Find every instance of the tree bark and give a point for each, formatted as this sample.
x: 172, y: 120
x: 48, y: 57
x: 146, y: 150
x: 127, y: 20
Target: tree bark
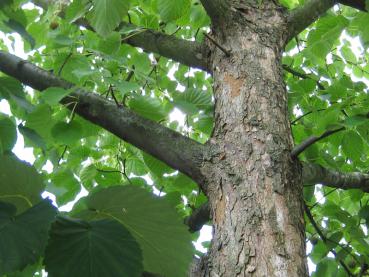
x: 254, y: 187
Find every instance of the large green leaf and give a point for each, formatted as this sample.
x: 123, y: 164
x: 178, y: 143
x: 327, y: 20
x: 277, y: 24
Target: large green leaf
x: 107, y: 14
x: 98, y: 248
x: 20, y: 184
x: 352, y: 145
x: 171, y: 10
x: 63, y: 185
x: 9, y: 86
x: 67, y: 133
x: 164, y: 239
x: 8, y: 133
x: 32, y: 137
x: 19, y: 28
x: 23, y: 237
x: 40, y: 120
x: 192, y: 101
x: 322, y: 38
x: 148, y: 107
x: 53, y: 95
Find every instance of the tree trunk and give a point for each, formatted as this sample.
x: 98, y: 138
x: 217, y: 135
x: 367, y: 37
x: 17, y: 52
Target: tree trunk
x: 254, y: 187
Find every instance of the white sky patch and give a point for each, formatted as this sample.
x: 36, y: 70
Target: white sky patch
x: 48, y: 167
x: 4, y: 107
x: 177, y: 115
x: 205, y: 235
x: 69, y: 206
x: 22, y: 152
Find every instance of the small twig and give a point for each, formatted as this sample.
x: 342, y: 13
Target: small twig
x: 73, y: 112
x: 224, y: 50
x: 63, y: 153
x: 111, y: 90
x: 302, y: 116
x: 178, y: 28
x: 123, y: 161
x: 324, y: 238
x: 325, y: 195
x: 130, y: 74
x: 302, y: 75
x: 64, y: 63
x: 297, y: 150
x: 151, y: 72
x: 109, y: 171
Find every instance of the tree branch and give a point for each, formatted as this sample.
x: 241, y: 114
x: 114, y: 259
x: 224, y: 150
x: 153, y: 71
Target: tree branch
x: 302, y: 75
x: 214, y: 8
x: 190, y: 53
x: 300, y: 18
x: 198, y: 218
x: 311, y: 174
x: 178, y: 151
x: 316, y: 174
x: 297, y: 150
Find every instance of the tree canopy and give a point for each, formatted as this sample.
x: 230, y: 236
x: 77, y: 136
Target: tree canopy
x: 96, y: 98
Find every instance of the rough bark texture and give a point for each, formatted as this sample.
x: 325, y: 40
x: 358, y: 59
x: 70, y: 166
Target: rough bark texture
x: 254, y: 190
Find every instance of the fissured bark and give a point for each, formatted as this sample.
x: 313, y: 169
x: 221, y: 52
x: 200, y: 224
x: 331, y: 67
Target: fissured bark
x: 254, y: 188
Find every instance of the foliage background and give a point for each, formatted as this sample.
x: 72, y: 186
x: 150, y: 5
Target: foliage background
x: 326, y: 74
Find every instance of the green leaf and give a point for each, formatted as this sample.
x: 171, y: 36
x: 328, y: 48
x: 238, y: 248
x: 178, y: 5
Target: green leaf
x: 364, y: 213
x: 30, y: 135
x: 40, y: 120
x: 75, y: 68
x: 107, y: 14
x: 156, y: 166
x: 148, y: 107
x: 76, y: 10
x: 290, y: 4
x: 67, y: 133
x: 87, y: 175
x: 348, y: 54
x: 20, y: 184
x: 152, y: 221
x: 192, y: 101
x: 98, y: 248
x: 352, y: 145
x: 21, y: 30
x: 53, y: 95
x: 63, y: 185
x: 10, y: 86
x: 171, y: 10
x: 111, y: 44
x: 322, y: 38
x: 8, y: 133
x: 327, y: 267
x: 320, y: 250
x: 23, y: 237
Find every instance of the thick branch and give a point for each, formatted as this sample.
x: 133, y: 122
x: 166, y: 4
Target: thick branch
x: 311, y: 174
x: 179, y: 152
x: 300, y: 18
x: 191, y: 53
x: 214, y: 8
x: 316, y: 174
